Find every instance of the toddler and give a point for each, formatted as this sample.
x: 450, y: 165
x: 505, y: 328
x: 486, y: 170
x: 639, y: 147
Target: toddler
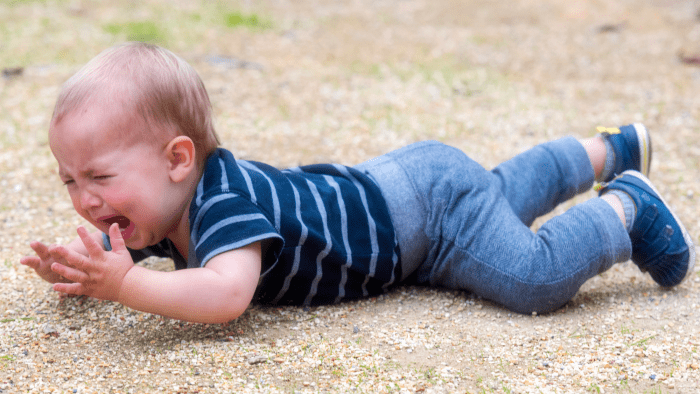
x: 133, y: 137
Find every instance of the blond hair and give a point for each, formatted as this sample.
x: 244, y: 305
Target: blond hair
x: 152, y: 81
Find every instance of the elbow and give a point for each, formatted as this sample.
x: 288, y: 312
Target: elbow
x: 212, y: 316
x: 217, y: 311
x: 225, y: 316
x: 229, y: 308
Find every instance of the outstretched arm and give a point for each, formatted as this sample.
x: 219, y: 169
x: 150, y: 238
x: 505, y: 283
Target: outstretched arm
x: 217, y: 293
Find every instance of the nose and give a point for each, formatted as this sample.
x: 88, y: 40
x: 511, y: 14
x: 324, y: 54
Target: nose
x: 89, y: 200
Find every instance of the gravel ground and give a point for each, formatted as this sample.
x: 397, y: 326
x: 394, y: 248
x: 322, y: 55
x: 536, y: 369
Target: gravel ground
x: 305, y: 81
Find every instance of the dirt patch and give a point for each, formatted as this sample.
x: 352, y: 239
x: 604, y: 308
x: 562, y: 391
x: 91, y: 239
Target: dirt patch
x: 344, y: 82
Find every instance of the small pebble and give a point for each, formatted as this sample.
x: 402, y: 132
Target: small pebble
x: 256, y: 359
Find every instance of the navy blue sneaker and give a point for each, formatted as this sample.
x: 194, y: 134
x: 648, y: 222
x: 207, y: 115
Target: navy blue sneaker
x: 631, y: 147
x: 660, y: 243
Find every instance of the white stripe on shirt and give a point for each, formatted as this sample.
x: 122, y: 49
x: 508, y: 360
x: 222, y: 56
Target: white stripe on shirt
x: 273, y: 191
x: 203, y: 210
x: 297, y: 249
x: 329, y: 243
x: 200, y: 192
x: 224, y: 177
x: 248, y: 182
x: 344, y: 231
x: 370, y: 221
x: 236, y: 245
x: 225, y: 222
x: 394, y: 261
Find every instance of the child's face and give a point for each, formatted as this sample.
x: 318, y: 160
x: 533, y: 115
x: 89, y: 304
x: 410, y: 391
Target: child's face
x: 112, y: 179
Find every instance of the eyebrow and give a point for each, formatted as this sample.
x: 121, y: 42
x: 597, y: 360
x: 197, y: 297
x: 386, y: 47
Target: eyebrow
x: 63, y: 174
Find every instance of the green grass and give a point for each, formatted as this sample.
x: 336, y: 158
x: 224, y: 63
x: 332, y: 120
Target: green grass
x: 252, y: 21
x: 144, y: 31
x: 7, y: 320
x: 7, y: 358
x: 40, y: 32
x: 642, y: 342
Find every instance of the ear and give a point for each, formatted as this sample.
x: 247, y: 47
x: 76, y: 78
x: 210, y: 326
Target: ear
x: 180, y: 154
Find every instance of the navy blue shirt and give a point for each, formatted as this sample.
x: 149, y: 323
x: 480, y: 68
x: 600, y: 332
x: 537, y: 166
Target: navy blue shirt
x: 327, y: 227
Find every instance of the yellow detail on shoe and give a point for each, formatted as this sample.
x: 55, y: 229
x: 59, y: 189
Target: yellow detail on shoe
x: 609, y: 130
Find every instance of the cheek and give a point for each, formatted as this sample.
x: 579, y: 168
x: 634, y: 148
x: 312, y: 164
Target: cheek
x: 75, y: 199
x: 116, y: 197
x: 136, y: 203
x: 121, y: 196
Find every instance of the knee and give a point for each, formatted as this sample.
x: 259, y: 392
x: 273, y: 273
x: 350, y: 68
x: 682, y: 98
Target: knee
x: 441, y: 159
x: 527, y: 298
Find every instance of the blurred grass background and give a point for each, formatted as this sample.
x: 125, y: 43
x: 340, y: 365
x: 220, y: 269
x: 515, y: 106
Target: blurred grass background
x: 307, y: 61
x: 356, y: 79
x: 42, y: 42
x: 66, y: 31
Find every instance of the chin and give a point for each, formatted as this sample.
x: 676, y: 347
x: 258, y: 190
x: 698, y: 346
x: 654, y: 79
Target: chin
x: 138, y: 243
x: 135, y: 243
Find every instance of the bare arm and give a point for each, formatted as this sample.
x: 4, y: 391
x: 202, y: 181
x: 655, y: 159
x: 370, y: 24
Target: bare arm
x: 217, y: 293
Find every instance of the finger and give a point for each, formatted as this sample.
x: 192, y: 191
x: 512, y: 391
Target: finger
x: 31, y: 262
x: 69, y: 273
x: 41, y: 250
x: 94, y: 250
x: 70, y: 288
x: 115, y: 238
x: 56, y: 253
x: 69, y: 258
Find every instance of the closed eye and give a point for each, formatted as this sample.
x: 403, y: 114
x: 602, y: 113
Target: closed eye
x: 100, y: 178
x: 68, y: 182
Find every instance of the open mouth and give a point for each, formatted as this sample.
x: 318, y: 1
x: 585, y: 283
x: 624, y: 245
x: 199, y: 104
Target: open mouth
x: 126, y: 226
x: 122, y: 221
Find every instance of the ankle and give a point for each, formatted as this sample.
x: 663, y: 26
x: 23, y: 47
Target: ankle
x: 616, y: 205
x: 597, y: 154
x: 609, y: 167
x: 623, y: 205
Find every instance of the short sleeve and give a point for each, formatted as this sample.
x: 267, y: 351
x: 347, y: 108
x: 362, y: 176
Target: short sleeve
x: 228, y: 221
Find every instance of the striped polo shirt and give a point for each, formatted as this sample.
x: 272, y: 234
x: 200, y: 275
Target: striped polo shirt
x: 328, y: 228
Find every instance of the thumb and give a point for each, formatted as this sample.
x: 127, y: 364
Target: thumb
x: 116, y: 239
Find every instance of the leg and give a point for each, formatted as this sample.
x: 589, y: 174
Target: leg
x: 474, y: 241
x: 499, y: 258
x: 536, y: 181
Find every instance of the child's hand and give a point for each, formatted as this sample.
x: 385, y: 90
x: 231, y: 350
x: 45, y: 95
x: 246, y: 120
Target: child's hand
x: 98, y: 275
x: 41, y: 263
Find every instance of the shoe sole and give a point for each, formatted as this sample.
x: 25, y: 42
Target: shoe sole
x: 686, y: 236
x: 644, y: 148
